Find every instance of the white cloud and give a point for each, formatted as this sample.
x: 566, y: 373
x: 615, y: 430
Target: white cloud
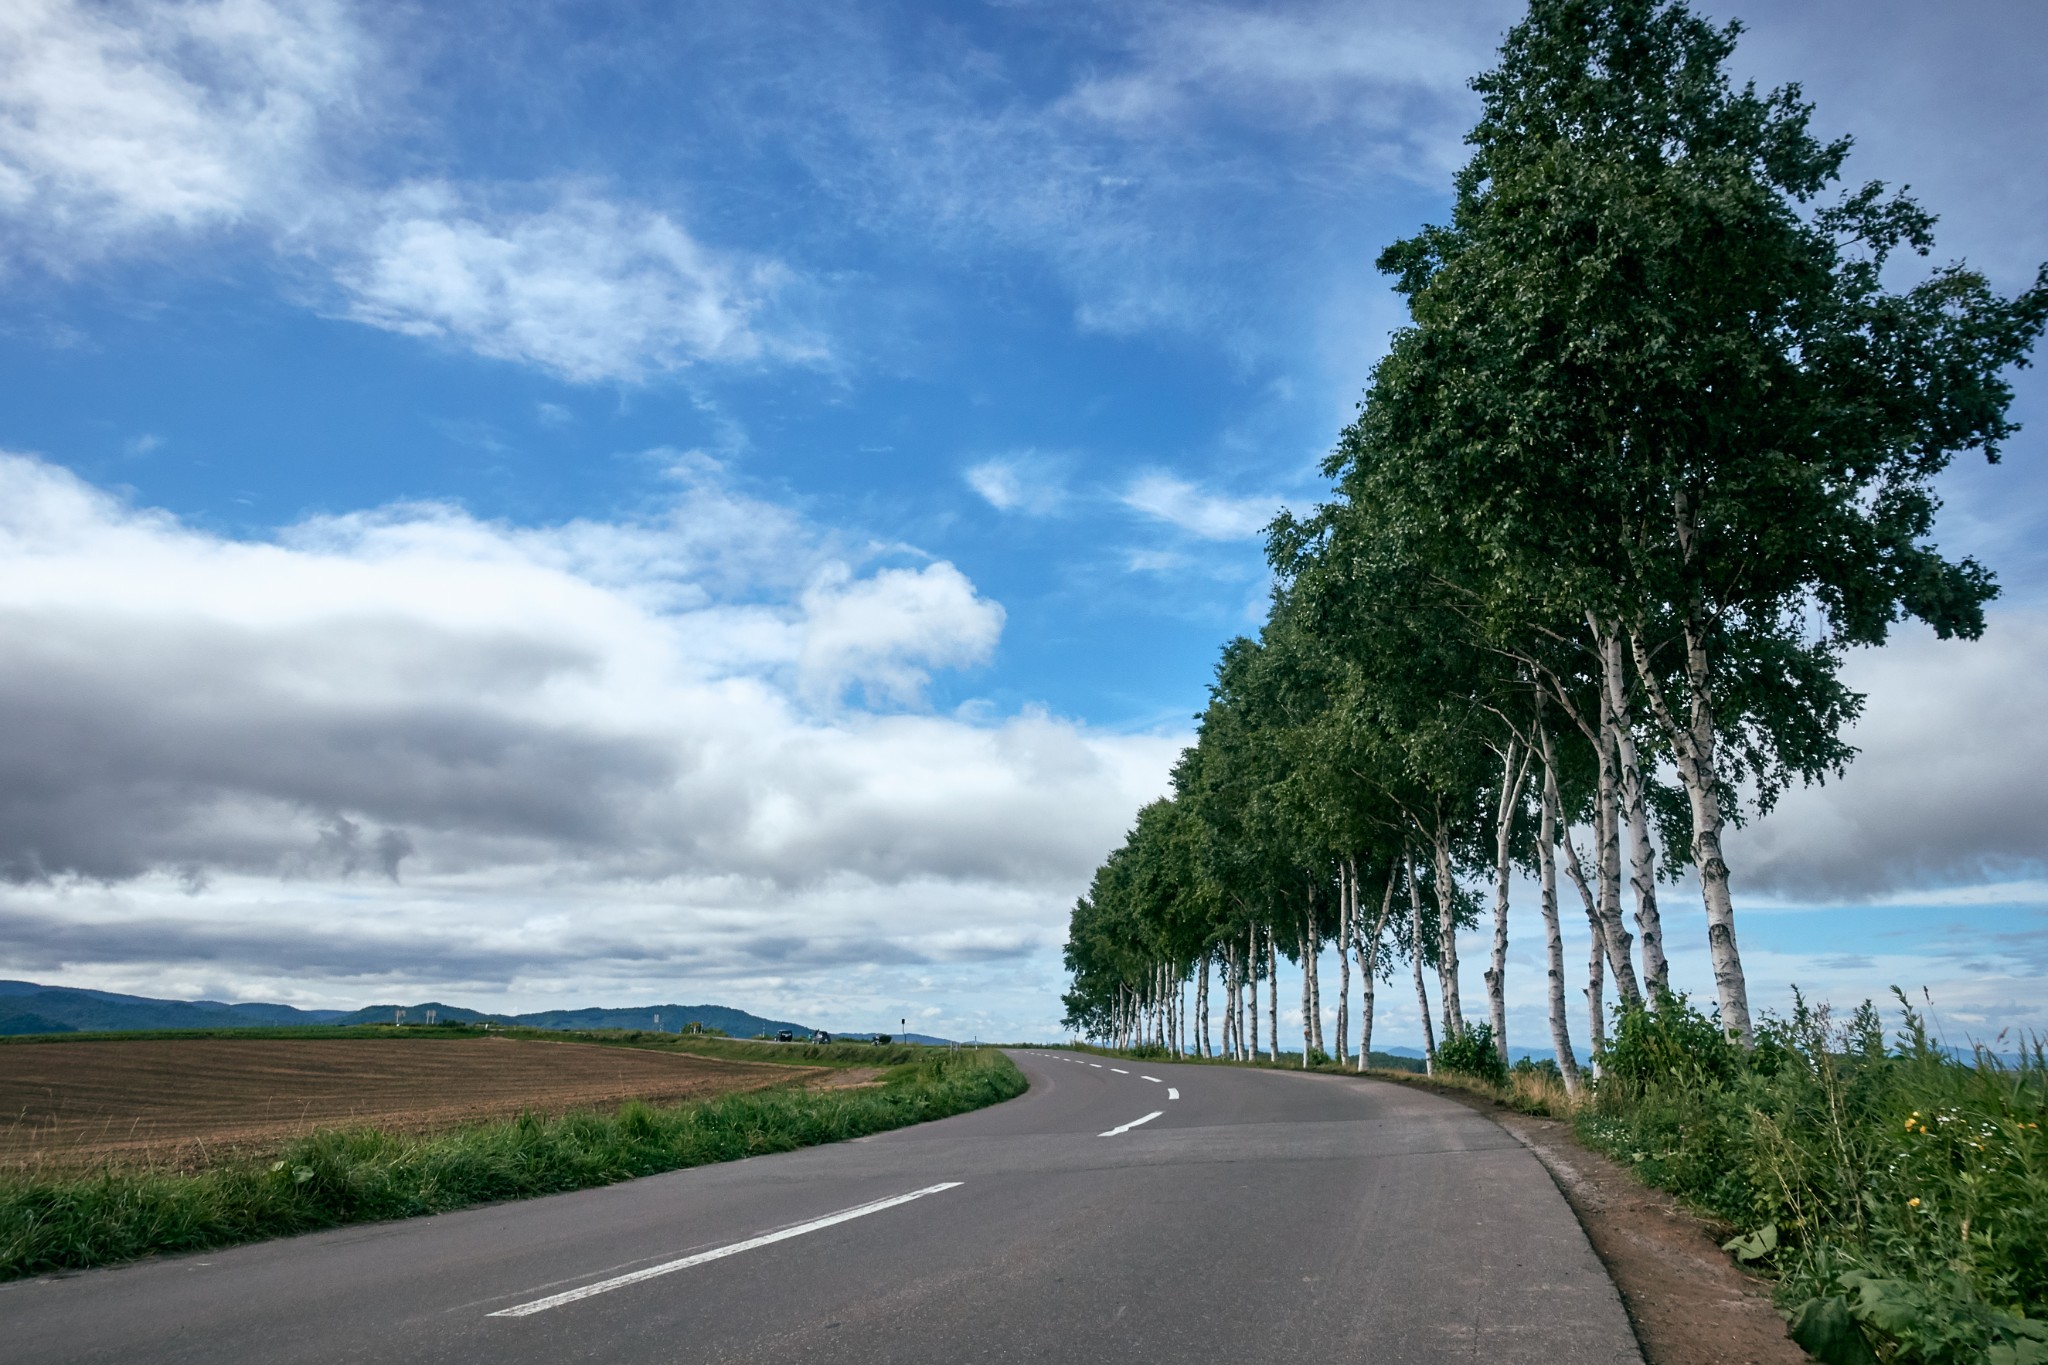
x: 121, y: 123
x: 1399, y: 80
x: 125, y: 119
x: 589, y: 755
x: 586, y: 287
x: 889, y: 630
x: 1017, y: 483
x: 1208, y: 515
x: 1947, y: 787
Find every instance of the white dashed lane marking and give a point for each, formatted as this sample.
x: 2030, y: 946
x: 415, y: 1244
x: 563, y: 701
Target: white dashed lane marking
x: 1126, y: 1127
x: 670, y: 1267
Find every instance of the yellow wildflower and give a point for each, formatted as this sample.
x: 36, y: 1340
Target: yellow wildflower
x: 1912, y: 1203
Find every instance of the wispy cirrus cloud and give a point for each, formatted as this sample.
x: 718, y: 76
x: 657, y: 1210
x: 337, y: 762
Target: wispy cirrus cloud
x: 1026, y: 482
x: 122, y: 121
x: 584, y: 286
x: 125, y: 126
x: 1211, y: 516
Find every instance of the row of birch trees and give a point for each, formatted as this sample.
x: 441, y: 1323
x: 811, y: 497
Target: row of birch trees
x: 1654, y: 450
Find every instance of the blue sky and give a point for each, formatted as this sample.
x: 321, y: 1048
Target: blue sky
x: 560, y: 504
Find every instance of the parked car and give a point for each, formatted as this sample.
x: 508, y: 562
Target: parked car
x: 785, y: 1036
x: 882, y: 1040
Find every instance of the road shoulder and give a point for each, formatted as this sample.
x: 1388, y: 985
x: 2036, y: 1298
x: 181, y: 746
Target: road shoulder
x: 1689, y: 1304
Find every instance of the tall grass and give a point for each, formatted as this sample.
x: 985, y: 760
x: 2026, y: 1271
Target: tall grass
x: 362, y: 1175
x: 1898, y: 1194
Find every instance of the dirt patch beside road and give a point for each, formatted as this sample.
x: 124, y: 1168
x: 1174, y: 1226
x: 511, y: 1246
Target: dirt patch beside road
x: 189, y: 1102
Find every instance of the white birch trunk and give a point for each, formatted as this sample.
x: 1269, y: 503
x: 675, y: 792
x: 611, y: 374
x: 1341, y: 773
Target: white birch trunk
x: 1512, y: 775
x: 1231, y: 996
x: 1229, y: 985
x: 1694, y: 744
x: 1642, y: 854
x: 1272, y: 998
x: 1447, y: 932
x: 1596, y: 1004
x: 1347, y: 912
x: 1421, y: 994
x: 1252, y: 991
x: 1180, y: 1016
x: 1607, y: 865
x: 1553, y: 933
x: 1368, y: 968
x: 1312, y: 967
x: 1308, y: 1027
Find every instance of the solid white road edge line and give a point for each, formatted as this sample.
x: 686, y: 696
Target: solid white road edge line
x: 669, y: 1267
x: 1171, y: 1093
x: 1125, y: 1128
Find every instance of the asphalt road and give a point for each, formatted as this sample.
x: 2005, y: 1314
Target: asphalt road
x: 1258, y: 1217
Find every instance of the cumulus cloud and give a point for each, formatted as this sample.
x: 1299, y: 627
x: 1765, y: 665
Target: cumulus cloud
x: 1947, y: 787
x: 891, y: 629
x: 1208, y: 515
x: 611, y: 743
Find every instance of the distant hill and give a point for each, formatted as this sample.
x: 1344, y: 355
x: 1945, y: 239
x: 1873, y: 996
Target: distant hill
x: 87, y: 1011
x: 738, y: 1023
x: 14, y: 1024
x: 26, y: 1007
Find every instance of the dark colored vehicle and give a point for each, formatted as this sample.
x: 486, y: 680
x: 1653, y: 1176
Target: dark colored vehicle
x: 785, y: 1036
x: 821, y: 1037
x: 882, y: 1040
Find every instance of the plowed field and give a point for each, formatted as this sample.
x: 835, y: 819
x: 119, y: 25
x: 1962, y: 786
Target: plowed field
x: 187, y: 1102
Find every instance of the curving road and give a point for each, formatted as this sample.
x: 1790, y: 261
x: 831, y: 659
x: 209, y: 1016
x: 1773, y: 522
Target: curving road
x: 1117, y: 1212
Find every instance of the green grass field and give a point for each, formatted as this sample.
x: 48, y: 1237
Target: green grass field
x: 336, y: 1177
x: 695, y: 1044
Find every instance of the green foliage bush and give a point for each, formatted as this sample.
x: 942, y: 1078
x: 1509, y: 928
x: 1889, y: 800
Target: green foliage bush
x: 1899, y: 1195
x: 1472, y: 1052
x: 351, y: 1176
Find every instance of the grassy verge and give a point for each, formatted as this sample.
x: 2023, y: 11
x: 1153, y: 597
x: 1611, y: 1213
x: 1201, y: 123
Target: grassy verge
x: 1899, y: 1195
x: 749, y: 1050
x: 364, y: 1175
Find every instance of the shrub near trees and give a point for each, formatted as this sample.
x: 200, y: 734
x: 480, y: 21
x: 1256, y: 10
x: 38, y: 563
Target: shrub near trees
x: 1654, y: 450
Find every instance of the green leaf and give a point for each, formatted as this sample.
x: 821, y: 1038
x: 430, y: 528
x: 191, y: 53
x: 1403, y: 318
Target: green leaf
x: 2017, y: 1353
x: 1754, y: 1246
x: 1825, y: 1330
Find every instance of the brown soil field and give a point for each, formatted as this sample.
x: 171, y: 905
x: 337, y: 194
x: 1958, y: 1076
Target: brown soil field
x: 190, y: 1102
